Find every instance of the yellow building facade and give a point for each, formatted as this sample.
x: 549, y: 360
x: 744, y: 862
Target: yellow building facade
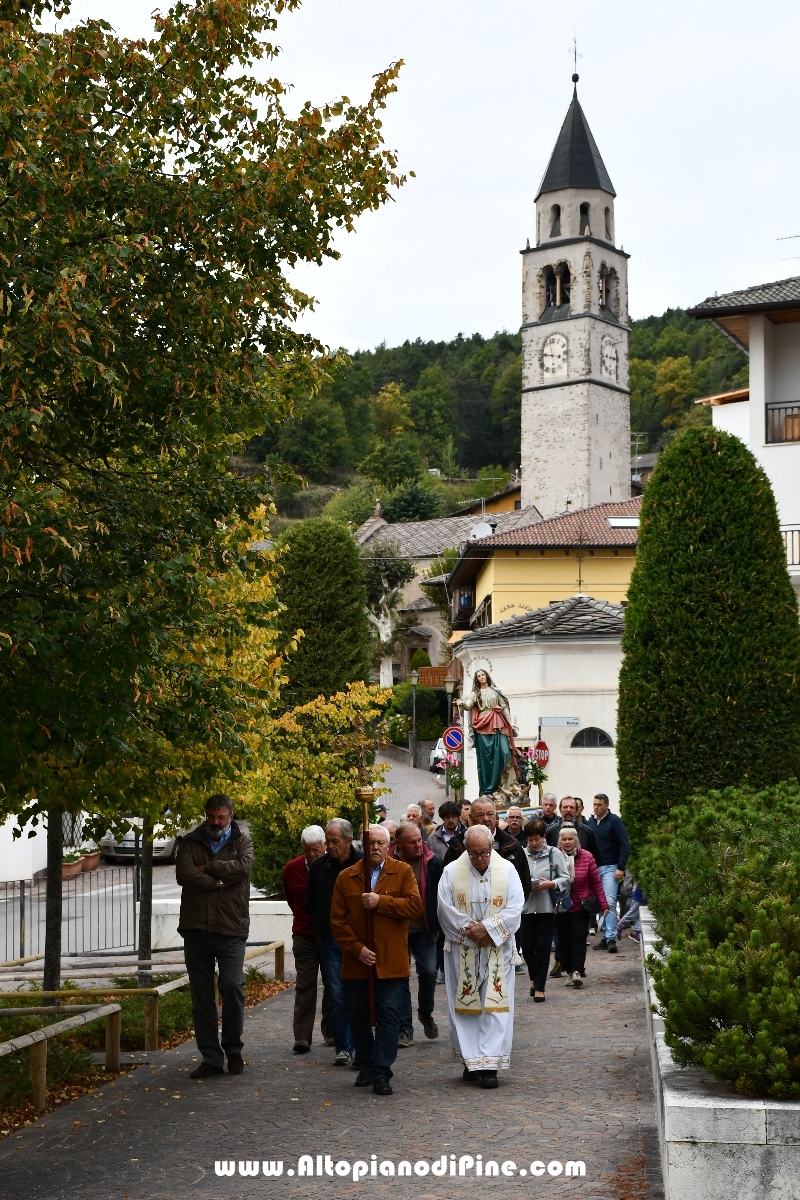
x: 520, y: 581
x: 591, y: 552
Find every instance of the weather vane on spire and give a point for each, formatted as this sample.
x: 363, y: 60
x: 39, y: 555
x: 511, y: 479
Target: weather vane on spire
x: 575, y: 56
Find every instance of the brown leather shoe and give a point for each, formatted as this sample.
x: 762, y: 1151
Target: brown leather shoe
x: 235, y: 1064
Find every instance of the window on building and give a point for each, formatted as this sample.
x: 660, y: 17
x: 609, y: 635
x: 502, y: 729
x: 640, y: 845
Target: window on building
x: 555, y: 221
x: 585, y: 226
x: 783, y: 422
x: 608, y: 225
x: 465, y: 598
x: 592, y: 738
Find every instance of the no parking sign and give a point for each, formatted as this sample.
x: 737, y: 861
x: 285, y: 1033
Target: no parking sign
x: 453, y: 738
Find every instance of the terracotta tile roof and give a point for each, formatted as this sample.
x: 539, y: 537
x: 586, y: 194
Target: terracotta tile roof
x: 432, y: 677
x: 586, y: 527
x: 784, y: 293
x: 578, y: 616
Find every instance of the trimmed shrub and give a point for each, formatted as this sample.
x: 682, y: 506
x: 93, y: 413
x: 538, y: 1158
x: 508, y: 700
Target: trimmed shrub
x: 323, y: 592
x: 723, y: 879
x: 709, y: 688
x: 689, y: 859
x: 419, y: 659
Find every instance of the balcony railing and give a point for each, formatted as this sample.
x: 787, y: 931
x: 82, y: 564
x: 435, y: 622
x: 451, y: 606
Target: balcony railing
x: 791, y: 540
x: 783, y: 422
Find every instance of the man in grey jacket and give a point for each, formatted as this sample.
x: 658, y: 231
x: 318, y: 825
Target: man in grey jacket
x: 213, y: 868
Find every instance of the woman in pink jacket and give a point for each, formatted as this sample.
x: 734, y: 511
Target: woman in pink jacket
x: 572, y: 926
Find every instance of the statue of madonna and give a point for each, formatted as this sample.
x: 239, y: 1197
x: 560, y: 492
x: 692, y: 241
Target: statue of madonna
x: 492, y: 732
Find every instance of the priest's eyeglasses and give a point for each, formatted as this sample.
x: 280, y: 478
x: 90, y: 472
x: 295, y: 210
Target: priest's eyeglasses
x: 479, y: 853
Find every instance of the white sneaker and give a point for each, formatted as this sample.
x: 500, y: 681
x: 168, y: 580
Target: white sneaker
x: 576, y: 979
x: 440, y: 976
x: 342, y: 1059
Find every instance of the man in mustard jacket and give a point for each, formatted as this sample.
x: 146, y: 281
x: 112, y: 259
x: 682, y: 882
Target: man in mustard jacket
x: 394, y: 899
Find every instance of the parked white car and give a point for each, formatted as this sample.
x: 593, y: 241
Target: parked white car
x: 437, y: 755
x: 165, y: 846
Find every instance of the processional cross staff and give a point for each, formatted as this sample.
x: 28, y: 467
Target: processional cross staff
x: 362, y: 744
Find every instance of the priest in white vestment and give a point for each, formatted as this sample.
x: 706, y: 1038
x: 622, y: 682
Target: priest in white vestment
x: 480, y: 906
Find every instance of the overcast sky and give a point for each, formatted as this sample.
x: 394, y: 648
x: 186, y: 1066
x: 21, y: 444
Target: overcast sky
x: 693, y: 107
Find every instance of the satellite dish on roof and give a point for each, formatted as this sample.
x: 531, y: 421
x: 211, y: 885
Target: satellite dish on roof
x: 482, y: 530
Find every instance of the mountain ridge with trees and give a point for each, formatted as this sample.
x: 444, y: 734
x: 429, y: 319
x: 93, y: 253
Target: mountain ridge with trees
x: 387, y: 417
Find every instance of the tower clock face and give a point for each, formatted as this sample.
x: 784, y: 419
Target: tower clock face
x: 609, y: 358
x: 554, y: 355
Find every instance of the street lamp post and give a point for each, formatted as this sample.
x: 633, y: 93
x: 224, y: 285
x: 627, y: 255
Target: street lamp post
x: 414, y: 679
x: 450, y: 687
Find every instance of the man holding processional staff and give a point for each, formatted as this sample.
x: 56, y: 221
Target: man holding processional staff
x: 392, y: 898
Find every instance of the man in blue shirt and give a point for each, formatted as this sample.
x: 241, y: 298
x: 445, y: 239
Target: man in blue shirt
x: 614, y: 849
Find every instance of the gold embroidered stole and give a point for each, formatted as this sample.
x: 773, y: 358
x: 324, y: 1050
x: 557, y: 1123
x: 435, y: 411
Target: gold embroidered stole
x: 468, y: 998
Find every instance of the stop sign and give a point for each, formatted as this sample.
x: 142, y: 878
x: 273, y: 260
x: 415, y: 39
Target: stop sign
x: 541, y: 754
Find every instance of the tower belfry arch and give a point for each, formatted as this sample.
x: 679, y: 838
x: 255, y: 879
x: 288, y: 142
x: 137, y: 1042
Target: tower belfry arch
x: 575, y: 331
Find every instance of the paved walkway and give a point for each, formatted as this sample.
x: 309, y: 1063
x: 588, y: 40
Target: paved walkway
x: 579, y: 1088
x: 409, y: 786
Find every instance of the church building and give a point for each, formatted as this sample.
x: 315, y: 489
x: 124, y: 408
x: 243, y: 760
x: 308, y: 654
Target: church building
x: 540, y: 606
x: 575, y: 394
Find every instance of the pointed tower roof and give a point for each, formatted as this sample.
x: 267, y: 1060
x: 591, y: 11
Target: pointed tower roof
x: 575, y: 161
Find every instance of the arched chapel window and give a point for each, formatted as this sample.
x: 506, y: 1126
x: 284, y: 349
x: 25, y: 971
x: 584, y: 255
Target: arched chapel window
x: 592, y: 738
x: 608, y: 225
x: 555, y: 221
x: 585, y: 226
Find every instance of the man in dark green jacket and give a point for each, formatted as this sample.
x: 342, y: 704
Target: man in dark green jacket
x: 213, y: 868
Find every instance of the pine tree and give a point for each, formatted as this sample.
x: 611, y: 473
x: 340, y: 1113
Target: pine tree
x: 324, y: 593
x: 709, y: 693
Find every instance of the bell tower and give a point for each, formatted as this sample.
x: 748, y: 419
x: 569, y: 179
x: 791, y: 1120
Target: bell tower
x: 575, y: 394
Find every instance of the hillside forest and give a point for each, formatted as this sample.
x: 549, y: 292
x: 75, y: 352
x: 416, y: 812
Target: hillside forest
x: 387, y: 418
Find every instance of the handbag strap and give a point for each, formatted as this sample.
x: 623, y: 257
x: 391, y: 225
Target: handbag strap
x: 550, y: 860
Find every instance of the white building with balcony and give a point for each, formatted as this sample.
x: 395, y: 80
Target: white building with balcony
x: 764, y: 321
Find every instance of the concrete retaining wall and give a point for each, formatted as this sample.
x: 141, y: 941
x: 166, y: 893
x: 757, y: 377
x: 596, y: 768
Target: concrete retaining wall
x: 270, y: 921
x: 716, y: 1144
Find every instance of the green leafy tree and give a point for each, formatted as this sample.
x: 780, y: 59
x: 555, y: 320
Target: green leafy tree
x: 660, y: 346
x: 709, y: 686
x: 394, y: 461
x: 352, y: 505
x: 324, y: 597
x: 432, y: 407
x: 306, y: 778
x: 416, y: 500
x: 156, y: 191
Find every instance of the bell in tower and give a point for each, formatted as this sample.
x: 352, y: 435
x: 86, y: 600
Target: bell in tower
x: 575, y: 396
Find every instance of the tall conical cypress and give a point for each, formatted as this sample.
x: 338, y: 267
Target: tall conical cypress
x: 324, y: 593
x: 710, y: 683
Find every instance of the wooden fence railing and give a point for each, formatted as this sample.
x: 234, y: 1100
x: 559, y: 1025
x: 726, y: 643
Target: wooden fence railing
x: 37, y: 1040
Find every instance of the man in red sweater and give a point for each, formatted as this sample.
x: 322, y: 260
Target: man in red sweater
x: 305, y: 946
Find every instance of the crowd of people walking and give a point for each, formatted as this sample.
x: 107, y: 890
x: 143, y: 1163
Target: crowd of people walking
x: 471, y: 928
x: 469, y: 899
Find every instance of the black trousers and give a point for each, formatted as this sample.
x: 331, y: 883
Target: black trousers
x: 535, y: 940
x: 573, y: 928
x: 307, y: 966
x: 202, y: 951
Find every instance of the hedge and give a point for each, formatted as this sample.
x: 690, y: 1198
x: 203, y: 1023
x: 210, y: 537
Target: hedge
x: 709, y: 691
